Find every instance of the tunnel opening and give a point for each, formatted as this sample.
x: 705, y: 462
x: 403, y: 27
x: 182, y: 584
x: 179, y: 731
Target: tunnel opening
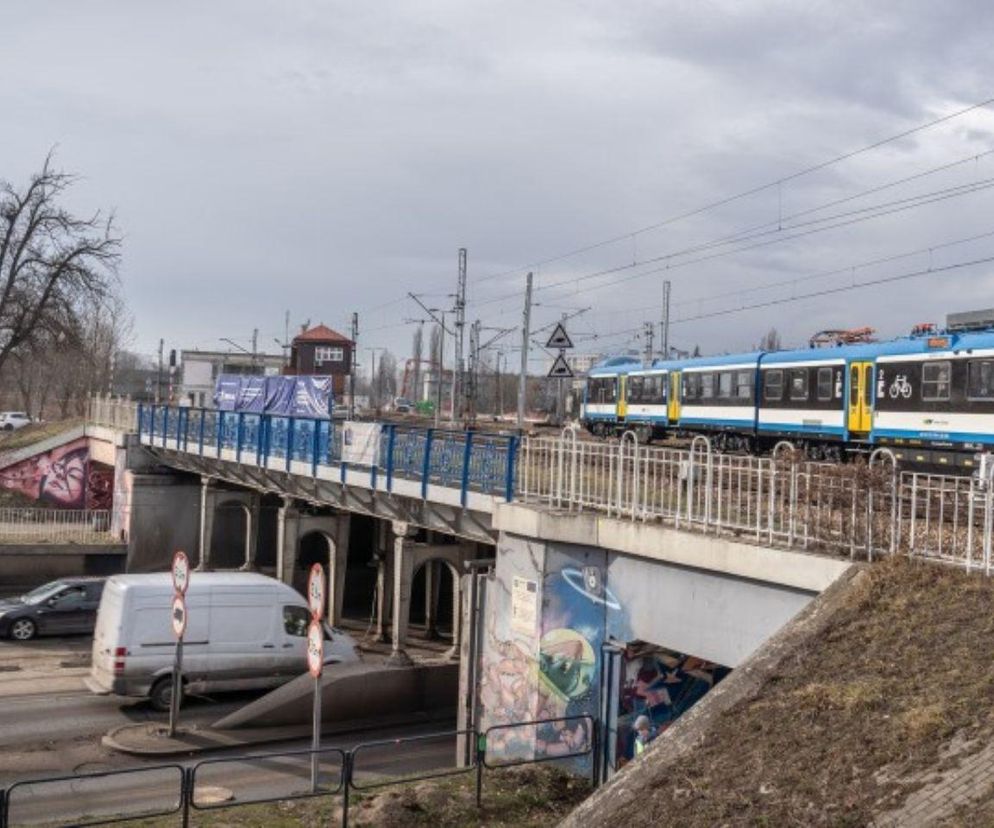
x: 360, y: 570
x: 442, y: 585
x: 228, y: 535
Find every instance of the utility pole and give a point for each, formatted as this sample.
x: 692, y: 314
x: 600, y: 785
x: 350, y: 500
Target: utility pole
x: 499, y: 396
x: 158, y: 381
x: 460, y: 309
x: 664, y: 332
x: 525, y: 333
x: 440, y: 375
x: 649, y: 328
x: 255, y: 347
x: 353, y: 367
x: 473, y: 379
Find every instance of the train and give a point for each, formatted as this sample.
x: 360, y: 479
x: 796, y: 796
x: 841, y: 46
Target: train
x: 927, y: 397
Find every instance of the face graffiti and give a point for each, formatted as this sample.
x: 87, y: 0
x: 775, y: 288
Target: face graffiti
x: 64, y: 477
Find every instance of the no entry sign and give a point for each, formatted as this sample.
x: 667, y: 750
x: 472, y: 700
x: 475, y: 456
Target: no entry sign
x: 315, y: 591
x: 315, y: 648
x: 181, y: 572
x: 179, y: 616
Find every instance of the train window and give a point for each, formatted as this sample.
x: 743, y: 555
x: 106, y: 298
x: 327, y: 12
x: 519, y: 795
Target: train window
x: 743, y: 385
x: 634, y: 390
x: 935, y: 380
x: 773, y: 384
x: 825, y: 384
x: 654, y: 389
x: 980, y: 379
x: 798, y: 383
x: 707, y: 386
x: 725, y: 385
x: 691, y: 386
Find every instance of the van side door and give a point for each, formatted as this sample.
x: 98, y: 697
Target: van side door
x: 292, y: 653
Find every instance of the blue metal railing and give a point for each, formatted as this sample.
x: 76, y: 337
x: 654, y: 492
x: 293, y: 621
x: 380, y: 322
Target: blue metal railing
x: 463, y: 460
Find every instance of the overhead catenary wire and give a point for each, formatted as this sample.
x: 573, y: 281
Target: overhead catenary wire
x: 778, y: 236
x: 778, y: 183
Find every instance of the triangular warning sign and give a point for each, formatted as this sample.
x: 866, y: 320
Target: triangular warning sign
x: 560, y: 368
x: 559, y: 338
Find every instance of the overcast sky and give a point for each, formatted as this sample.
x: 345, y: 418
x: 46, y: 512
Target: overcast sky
x: 323, y: 157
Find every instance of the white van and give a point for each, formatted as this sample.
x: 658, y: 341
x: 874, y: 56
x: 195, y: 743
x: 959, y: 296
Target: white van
x: 244, y: 631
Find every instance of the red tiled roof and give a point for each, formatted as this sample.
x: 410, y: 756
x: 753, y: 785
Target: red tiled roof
x: 321, y: 333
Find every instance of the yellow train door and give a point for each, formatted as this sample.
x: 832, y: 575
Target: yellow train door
x: 622, y: 397
x: 673, y: 403
x: 860, y: 397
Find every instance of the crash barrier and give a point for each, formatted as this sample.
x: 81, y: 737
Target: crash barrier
x: 117, y: 796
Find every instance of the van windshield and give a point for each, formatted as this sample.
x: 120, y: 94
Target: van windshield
x: 42, y: 593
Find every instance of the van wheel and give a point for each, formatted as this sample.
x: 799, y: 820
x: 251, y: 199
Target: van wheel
x: 161, y: 694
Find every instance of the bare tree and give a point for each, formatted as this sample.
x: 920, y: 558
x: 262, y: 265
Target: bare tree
x: 51, y: 262
x: 417, y: 349
x: 770, y: 341
x: 386, y: 377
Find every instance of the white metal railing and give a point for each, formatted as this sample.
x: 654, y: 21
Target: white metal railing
x: 30, y: 525
x: 854, y: 509
x: 113, y: 412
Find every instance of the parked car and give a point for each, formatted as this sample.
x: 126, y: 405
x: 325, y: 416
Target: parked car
x: 244, y: 631
x: 62, y: 607
x: 12, y: 420
x: 402, y: 405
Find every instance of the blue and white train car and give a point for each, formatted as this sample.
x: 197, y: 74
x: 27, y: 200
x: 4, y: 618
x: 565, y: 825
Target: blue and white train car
x: 718, y: 394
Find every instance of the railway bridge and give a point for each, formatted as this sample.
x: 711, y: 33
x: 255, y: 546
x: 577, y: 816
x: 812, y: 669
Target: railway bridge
x: 585, y: 577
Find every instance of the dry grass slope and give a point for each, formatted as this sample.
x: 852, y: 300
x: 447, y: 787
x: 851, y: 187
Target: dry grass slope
x: 839, y: 734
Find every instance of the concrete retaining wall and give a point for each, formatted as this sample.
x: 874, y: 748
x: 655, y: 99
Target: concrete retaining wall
x: 32, y: 565
x: 165, y: 516
x: 352, y: 692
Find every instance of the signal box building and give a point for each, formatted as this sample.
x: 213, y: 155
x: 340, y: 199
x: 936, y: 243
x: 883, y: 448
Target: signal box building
x: 323, y: 352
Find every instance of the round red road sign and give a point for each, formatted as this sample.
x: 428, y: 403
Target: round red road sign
x: 315, y: 591
x: 315, y: 648
x: 181, y: 572
x: 179, y: 616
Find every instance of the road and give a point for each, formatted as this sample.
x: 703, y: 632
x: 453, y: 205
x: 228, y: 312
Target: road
x: 51, y: 726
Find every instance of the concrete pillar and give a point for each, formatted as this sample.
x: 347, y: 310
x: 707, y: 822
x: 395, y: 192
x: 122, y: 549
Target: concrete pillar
x: 433, y: 583
x: 252, y: 509
x: 337, y: 563
x: 403, y: 573
x: 207, y: 501
x: 281, y: 539
x: 384, y: 580
x: 290, y: 540
x: 457, y: 582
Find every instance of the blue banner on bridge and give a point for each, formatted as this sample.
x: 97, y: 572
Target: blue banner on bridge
x: 303, y: 396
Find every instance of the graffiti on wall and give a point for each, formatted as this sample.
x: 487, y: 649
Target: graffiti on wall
x: 662, y: 685
x: 63, y: 477
x: 548, y: 664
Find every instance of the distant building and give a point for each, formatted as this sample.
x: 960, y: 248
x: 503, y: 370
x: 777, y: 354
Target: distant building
x: 199, y: 371
x: 323, y: 352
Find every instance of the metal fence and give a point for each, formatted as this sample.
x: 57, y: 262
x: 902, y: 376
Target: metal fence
x: 859, y: 509
x: 227, y: 782
x: 29, y: 525
x: 468, y: 461
x: 113, y: 412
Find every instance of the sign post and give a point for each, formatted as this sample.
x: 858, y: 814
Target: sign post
x: 178, y: 614
x: 560, y: 368
x: 315, y: 660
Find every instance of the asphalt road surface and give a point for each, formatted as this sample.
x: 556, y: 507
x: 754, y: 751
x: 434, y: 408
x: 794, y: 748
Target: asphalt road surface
x: 231, y: 778
x: 51, y: 726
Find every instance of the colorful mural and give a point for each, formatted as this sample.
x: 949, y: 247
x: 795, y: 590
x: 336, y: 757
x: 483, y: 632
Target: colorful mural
x: 63, y: 477
x: 661, y: 684
x: 547, y: 664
